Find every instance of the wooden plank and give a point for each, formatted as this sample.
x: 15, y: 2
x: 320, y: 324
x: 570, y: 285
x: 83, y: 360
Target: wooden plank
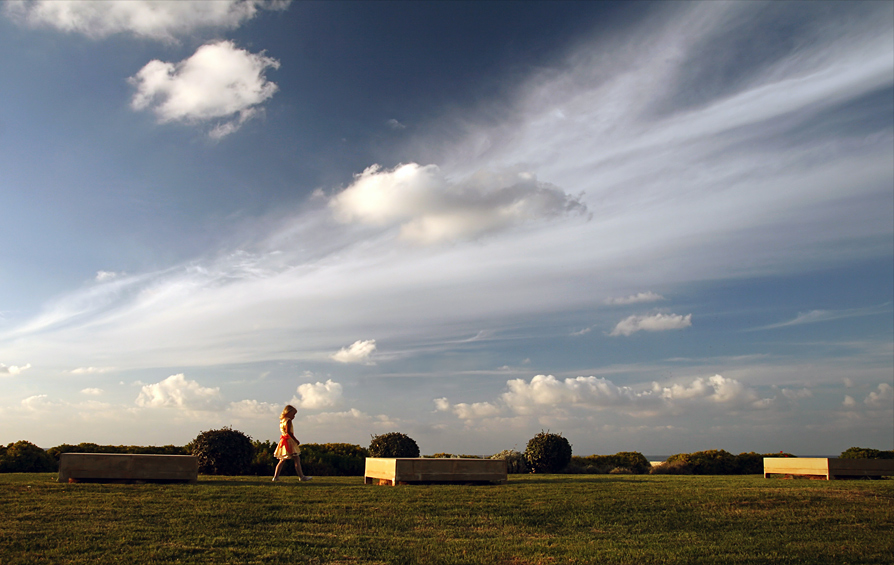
x: 127, y: 467
x: 425, y: 470
x: 796, y: 466
x: 830, y: 468
x: 861, y: 467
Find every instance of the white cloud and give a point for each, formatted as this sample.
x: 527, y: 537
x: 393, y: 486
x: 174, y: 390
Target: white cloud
x: 477, y: 410
x: 545, y: 394
x: 177, y: 392
x: 716, y: 389
x: 798, y: 394
x: 333, y: 425
x: 37, y: 402
x: 635, y: 298
x: 254, y: 409
x: 651, y: 323
x: 13, y: 369
x: 429, y: 208
x: 102, y: 276
x: 91, y: 370
x: 318, y: 395
x: 358, y: 352
x: 92, y: 391
x: 394, y: 124
x: 849, y: 401
x: 219, y: 81
x: 153, y: 19
x: 882, y: 398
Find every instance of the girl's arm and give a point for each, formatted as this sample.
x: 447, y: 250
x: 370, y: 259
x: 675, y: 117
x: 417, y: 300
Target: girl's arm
x: 291, y: 433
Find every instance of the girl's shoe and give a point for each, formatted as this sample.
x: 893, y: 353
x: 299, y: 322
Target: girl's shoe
x: 306, y: 478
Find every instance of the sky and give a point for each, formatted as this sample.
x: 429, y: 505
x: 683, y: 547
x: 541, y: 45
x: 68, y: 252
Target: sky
x: 658, y: 227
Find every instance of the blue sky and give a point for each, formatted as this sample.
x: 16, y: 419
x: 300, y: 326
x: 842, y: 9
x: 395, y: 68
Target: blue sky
x: 659, y: 227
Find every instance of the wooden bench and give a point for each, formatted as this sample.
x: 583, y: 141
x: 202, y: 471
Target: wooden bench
x: 126, y: 467
x: 402, y: 471
x: 828, y: 468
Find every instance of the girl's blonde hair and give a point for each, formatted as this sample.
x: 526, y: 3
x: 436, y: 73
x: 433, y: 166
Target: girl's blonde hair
x: 287, y: 412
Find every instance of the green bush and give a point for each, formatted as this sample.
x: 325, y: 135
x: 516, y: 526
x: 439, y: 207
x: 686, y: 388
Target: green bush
x: 136, y: 449
x: 715, y: 462
x: 515, y: 461
x: 223, y: 452
x: 865, y: 453
x: 547, y: 453
x: 263, y: 462
x: 25, y: 457
x: 327, y: 459
x: 633, y: 461
x: 393, y: 444
x: 677, y: 467
x: 752, y: 463
x: 333, y: 459
x: 587, y: 465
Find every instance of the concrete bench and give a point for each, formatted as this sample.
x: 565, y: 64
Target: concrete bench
x: 126, y: 467
x: 419, y: 470
x: 828, y: 468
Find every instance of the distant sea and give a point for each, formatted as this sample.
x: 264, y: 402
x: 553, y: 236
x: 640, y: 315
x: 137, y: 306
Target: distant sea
x: 660, y: 458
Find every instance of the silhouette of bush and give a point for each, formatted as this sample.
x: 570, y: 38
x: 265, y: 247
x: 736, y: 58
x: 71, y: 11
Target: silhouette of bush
x: 547, y: 453
x: 223, y: 452
x: 865, y: 453
x: 515, y: 461
x: 25, y: 457
x: 393, y: 444
x: 633, y: 461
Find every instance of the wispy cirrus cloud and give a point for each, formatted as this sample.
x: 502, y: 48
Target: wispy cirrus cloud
x: 817, y: 316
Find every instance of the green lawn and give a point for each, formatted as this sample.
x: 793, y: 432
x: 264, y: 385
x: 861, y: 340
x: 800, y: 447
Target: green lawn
x: 532, y: 519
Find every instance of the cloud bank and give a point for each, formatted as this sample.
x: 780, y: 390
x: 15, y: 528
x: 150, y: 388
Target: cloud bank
x: 546, y: 394
x: 151, y: 19
x: 13, y: 369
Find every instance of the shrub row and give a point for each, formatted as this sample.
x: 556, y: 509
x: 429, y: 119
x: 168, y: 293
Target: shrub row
x: 230, y: 452
x: 714, y: 462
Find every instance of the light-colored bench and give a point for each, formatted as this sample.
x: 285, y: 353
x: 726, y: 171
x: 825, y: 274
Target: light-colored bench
x: 388, y: 471
x: 111, y: 467
x: 828, y: 468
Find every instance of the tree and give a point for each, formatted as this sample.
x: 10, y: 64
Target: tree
x: 547, y: 453
x: 223, y: 452
x: 393, y: 444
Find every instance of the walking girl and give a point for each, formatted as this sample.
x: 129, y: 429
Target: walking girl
x: 288, y: 444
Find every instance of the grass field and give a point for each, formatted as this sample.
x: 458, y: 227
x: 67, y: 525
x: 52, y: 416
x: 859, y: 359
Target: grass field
x: 532, y: 519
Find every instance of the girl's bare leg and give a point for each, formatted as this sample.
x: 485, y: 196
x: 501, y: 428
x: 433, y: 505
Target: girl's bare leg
x: 278, y: 469
x: 298, y: 470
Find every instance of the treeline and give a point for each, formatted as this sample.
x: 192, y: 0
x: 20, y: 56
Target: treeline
x: 238, y: 455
